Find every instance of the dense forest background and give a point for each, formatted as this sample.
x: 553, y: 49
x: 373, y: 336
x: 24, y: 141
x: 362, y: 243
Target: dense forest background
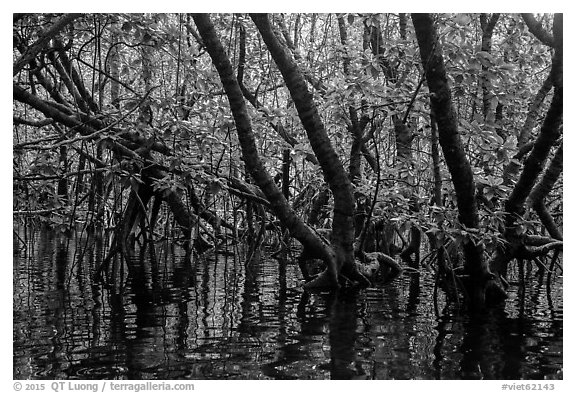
x: 379, y: 142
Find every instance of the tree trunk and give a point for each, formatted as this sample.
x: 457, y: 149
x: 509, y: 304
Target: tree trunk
x: 513, y: 167
x: 42, y: 41
x: 458, y: 165
x: 334, y: 173
x: 145, y: 114
x: 252, y: 99
x: 549, y: 134
x: 356, y: 130
x: 115, y: 71
x: 542, y: 190
x: 435, y: 160
x: 63, y: 182
x: 487, y: 26
x: 250, y: 153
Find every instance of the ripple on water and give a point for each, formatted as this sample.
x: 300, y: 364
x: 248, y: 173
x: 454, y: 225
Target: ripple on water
x: 217, y: 319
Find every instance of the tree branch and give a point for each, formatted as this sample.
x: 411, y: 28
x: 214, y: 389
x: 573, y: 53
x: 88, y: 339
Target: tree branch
x: 541, y: 191
x: 334, y: 172
x: 42, y: 41
x: 536, y: 28
x: 278, y: 202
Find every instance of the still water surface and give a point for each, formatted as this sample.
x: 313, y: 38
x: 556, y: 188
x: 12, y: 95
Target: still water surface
x: 215, y: 318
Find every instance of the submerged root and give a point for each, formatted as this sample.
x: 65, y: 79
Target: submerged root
x: 360, y: 274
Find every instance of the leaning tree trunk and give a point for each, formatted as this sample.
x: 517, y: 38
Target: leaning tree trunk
x: 515, y: 205
x: 524, y: 145
x: 475, y: 266
x: 342, y: 239
x: 278, y: 202
x: 542, y: 190
x: 549, y: 134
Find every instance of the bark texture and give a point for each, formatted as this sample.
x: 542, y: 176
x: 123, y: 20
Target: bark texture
x: 332, y: 168
x: 542, y: 190
x: 453, y: 149
x: 278, y: 202
x: 549, y: 133
x: 42, y: 41
x: 487, y: 24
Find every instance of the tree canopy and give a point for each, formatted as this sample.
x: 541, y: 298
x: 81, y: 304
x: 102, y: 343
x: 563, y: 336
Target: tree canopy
x: 379, y: 127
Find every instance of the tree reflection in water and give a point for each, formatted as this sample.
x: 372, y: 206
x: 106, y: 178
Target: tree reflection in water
x: 182, y: 316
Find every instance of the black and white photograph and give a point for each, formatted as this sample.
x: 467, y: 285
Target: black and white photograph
x: 286, y: 196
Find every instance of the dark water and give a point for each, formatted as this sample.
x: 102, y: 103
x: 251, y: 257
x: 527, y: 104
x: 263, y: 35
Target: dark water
x: 213, y: 318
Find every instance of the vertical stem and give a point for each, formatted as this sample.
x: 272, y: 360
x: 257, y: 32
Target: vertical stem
x: 435, y: 160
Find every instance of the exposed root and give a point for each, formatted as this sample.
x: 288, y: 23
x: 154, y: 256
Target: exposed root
x: 324, y: 280
x: 357, y: 277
